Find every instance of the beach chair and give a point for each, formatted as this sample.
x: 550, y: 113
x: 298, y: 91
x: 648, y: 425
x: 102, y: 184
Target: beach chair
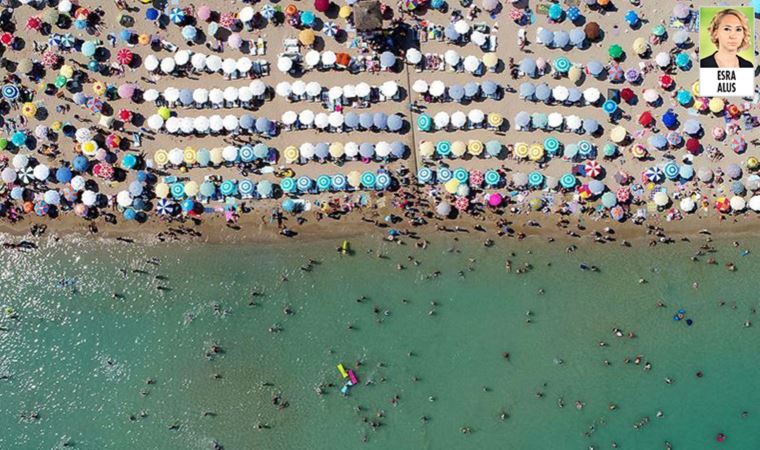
x: 261, y: 48
x: 492, y: 43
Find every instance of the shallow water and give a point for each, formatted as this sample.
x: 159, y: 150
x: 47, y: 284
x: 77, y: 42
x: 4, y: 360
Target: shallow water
x: 81, y: 358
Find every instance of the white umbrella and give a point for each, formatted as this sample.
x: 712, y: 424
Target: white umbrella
x: 243, y: 65
x: 299, y: 88
x: 754, y: 203
x: 461, y: 26
x: 289, y: 117
x: 306, y: 117
x: 313, y: 89
x: 573, y: 122
x: 41, y: 172
x: 335, y: 93
x: 420, y: 86
x: 335, y: 119
x: 213, y: 63
x: 155, y: 122
x: 389, y: 88
x: 458, y: 119
x: 168, y: 65
x: 738, y: 203
x: 329, y: 58
x: 413, y: 56
x: 554, y: 120
x: 200, y: 95
x: 230, y: 94
x: 216, y: 96
x: 176, y: 156
x: 151, y: 63
x: 246, y: 14
x: 651, y: 95
x: 687, y: 204
x: 83, y: 134
x: 8, y: 175
x: 471, y: 63
x: 187, y: 125
x: 311, y: 58
x: 306, y: 150
x: 246, y: 93
x: 478, y: 38
x: 560, y: 93
x: 171, y: 94
x: 476, y: 116
x: 258, y: 87
x: 441, y: 119
x: 201, y: 124
x: 662, y: 59
x: 77, y: 183
x: 172, y: 125
x: 284, y: 64
x: 351, y: 149
x: 437, y: 88
x: 151, y: 95
x: 349, y: 91
x: 198, y: 61
x: 229, y: 66
x: 362, y: 90
x: 451, y: 57
x: 230, y: 122
x: 20, y: 161
x: 283, y: 89
x: 182, y: 57
x: 124, y: 199
x: 661, y: 199
x: 229, y: 153
x: 321, y: 120
x: 382, y: 149
x: 52, y: 197
x: 216, y: 123
x: 89, y: 198
x: 591, y: 94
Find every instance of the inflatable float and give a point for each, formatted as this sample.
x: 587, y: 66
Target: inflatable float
x: 342, y: 371
x: 352, y: 377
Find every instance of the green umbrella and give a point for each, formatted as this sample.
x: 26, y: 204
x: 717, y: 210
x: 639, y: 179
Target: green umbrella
x: 658, y: 30
x: 60, y: 81
x: 3, y: 143
x: 615, y: 51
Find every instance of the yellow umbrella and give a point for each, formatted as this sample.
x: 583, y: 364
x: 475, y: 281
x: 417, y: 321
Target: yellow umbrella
x: 191, y: 188
x: 752, y: 163
x: 29, y: 109
x: 161, y: 157
x: 67, y: 71
x: 164, y: 112
x: 640, y: 46
x: 495, y: 119
x: 475, y: 147
x: 336, y: 150
x: 291, y: 154
x: 695, y: 89
x: 162, y: 190
x: 427, y: 149
x: 536, y: 152
x: 458, y: 148
x: 354, y: 178
x: 345, y: 12
x: 618, y: 134
x: 98, y: 88
x: 306, y: 37
x: 190, y: 156
x: 215, y: 155
x: 56, y: 126
x: 716, y: 105
x: 574, y: 74
x: 143, y: 39
x: 521, y: 150
x: 89, y: 148
x: 490, y: 60
x: 451, y: 186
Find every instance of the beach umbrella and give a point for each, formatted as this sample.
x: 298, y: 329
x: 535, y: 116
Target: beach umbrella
x: 288, y: 185
x: 177, y: 15
x: 25, y: 175
x: 10, y: 92
x: 382, y: 181
x: 527, y: 90
x: 592, y: 169
x: 441, y: 120
x: 692, y: 127
x: 615, y: 73
x: 444, y: 174
x: 443, y: 209
x: 443, y: 148
x: 246, y: 187
x: 738, y: 144
x: 268, y: 11
x: 561, y: 39
x: 671, y: 170
x: 413, y: 56
x: 686, y: 172
x: 41, y: 172
x: 492, y: 178
x: 387, y: 60
x: 754, y: 203
x: 471, y: 63
x: 519, y: 179
x: 609, y: 106
x: 458, y: 119
x: 338, y: 182
x: 228, y: 188
x: 489, y: 88
x: 546, y: 36
x: 8, y: 175
x: 568, y: 181
x: 394, y: 122
x: 424, y: 175
x: 681, y: 10
x: 737, y: 188
x: 681, y: 37
x: 555, y: 11
x: 669, y: 119
x: 615, y: 51
x: 543, y: 92
x: 734, y: 171
x: 41, y: 208
x: 609, y: 200
x: 632, y: 75
x: 682, y: 60
x: 535, y: 179
x: 658, y: 141
x: 528, y: 66
x: 368, y: 180
x: 562, y: 64
x: 595, y: 187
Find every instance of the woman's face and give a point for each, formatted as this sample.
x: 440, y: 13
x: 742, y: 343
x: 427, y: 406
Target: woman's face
x: 730, y: 33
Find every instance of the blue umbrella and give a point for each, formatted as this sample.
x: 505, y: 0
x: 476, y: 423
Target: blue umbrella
x: 307, y: 18
x: 658, y: 141
x: 609, y: 106
x: 450, y: 33
x: 186, y: 97
x: 228, y: 188
x: 669, y: 119
x: 684, y: 97
x: 692, y: 126
x: 366, y: 150
x: 207, y: 189
x: 135, y: 188
x: 93, y: 65
x: 577, y: 37
x: 339, y: 182
x: 368, y: 180
x: 570, y: 151
x: 129, y: 161
x: 609, y: 199
x: 555, y: 11
x: 10, y: 92
x: 382, y: 181
x: 574, y: 95
x: 444, y: 174
x: 561, y: 39
x: 139, y: 204
x: 686, y: 172
x: 573, y: 13
x: 585, y: 148
x: 443, y: 148
x: 437, y: 4
x: 527, y: 90
x: 595, y: 68
x: 590, y: 126
x: 63, y: 175
x: 653, y: 174
x: 424, y: 175
x: 177, y: 190
x: 398, y: 149
x: 187, y: 205
x: 189, y: 32
x: 492, y: 178
x: 264, y: 188
x: 263, y: 125
x: 164, y: 207
x: 472, y: 88
x: 682, y: 60
x: 79, y: 98
x: 631, y: 17
x: 130, y: 214
x: 260, y: 151
x: 246, y: 153
x: 80, y: 163
x: 522, y: 119
x: 80, y: 24
x: 88, y: 48
x: 288, y: 185
x: 535, y: 178
x: 551, y: 145
x: 324, y: 182
x: 387, y: 60
x: 322, y: 150
x: 461, y: 175
x: 268, y: 11
x: 380, y: 121
x: 395, y: 122
x: 17, y: 193
x: 351, y: 119
x: 67, y: 40
x: 203, y: 157
x: 737, y: 188
x: 152, y: 14
x: 528, y: 67
x: 366, y: 120
x: 177, y: 15
x: 543, y: 92
x: 247, y: 122
x: 18, y: 138
x: 125, y: 35
x: 246, y: 187
x: 329, y: 28
x: 546, y: 37
x: 303, y: 183
x: 456, y: 92
x: 489, y: 88
x: 288, y: 205
x: 671, y: 170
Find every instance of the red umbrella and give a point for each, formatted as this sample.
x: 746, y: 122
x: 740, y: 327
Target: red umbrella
x: 83, y: 13
x: 666, y: 80
x: 627, y: 94
x: 723, y: 205
x: 693, y: 146
x: 462, y: 203
x: 623, y: 194
x: 124, y: 56
x: 476, y: 178
x: 593, y: 169
x: 113, y: 141
x: 322, y: 5
x: 6, y: 38
x: 103, y: 170
x: 125, y: 115
x: 645, y: 119
x: 33, y: 23
x: 50, y: 58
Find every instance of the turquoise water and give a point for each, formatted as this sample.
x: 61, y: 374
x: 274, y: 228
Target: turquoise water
x: 80, y: 358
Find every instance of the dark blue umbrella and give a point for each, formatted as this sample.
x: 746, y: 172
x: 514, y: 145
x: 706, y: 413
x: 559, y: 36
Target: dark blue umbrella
x: 80, y: 163
x: 450, y: 33
x: 398, y: 149
x: 456, y: 92
x: 395, y: 122
x: 380, y: 121
x: 247, y: 122
x: 139, y: 204
x: 490, y: 88
x: 669, y: 119
x: 351, y: 119
x: 151, y: 14
x: 186, y: 97
x: 366, y: 120
x: 63, y: 175
x: 471, y: 89
x: 263, y: 125
x: 142, y: 176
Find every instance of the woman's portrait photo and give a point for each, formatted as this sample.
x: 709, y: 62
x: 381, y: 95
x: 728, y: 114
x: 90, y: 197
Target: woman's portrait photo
x: 725, y: 39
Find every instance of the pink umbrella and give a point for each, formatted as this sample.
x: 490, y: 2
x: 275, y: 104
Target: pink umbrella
x: 204, y: 13
x: 124, y: 56
x: 227, y: 20
x: 719, y: 133
x: 593, y: 169
x: 515, y: 14
x: 127, y: 90
x: 235, y: 41
x: 113, y: 141
x: 50, y: 58
x: 623, y: 194
x: 476, y: 178
x: 462, y: 203
x: 495, y: 199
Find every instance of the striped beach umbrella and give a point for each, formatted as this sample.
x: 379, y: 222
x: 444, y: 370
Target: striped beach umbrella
x: 368, y: 180
x: 674, y: 138
x: 592, y: 169
x: 609, y: 106
x: 492, y: 178
x: 568, y: 181
x: 303, y: 183
x: 268, y: 11
x: 246, y: 187
x: 671, y: 170
x: 10, y: 92
x: 444, y: 174
x: 653, y: 174
x: 424, y: 122
x: 177, y: 190
x: 562, y: 64
x: 228, y: 188
x: 585, y: 149
x: 324, y: 182
x: 246, y: 153
x: 339, y: 182
x: 288, y: 185
x: 535, y: 178
x: 424, y: 175
x: 551, y: 145
x: 164, y: 207
x: 41, y: 208
x: 382, y: 181
x: 443, y: 148
x: 461, y: 175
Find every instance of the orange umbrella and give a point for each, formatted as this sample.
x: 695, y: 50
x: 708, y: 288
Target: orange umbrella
x: 291, y: 10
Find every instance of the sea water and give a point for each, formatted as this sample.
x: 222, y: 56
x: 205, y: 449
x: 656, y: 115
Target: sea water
x: 108, y: 346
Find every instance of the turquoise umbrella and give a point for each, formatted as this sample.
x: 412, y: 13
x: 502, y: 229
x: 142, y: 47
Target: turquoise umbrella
x: 443, y: 148
x: 609, y: 199
x: 609, y: 106
x: 203, y: 157
x: 88, y: 48
x: 18, y: 139
x: 555, y: 11
x: 129, y: 161
x: 177, y: 190
x: 551, y: 145
x: 562, y: 64
x: 368, y: 180
x: 324, y: 182
x: 424, y: 175
x: 288, y: 205
x: 684, y: 97
x: 682, y: 60
x: 444, y: 174
x: 246, y: 153
x: 260, y: 151
x: 671, y: 170
x: 539, y: 120
x: 567, y: 181
x: 228, y: 188
x: 571, y: 151
x: 339, y: 182
x: 609, y: 150
x: 461, y: 175
x: 303, y: 183
x: 492, y: 177
x: 535, y: 178
x: 424, y: 122
x: 288, y: 185
x: 264, y: 188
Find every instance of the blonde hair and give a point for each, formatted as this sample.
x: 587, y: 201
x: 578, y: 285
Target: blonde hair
x: 715, y: 23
